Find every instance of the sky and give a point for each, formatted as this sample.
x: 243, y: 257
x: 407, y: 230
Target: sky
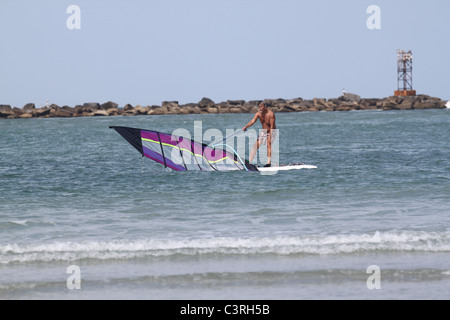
x: 144, y: 52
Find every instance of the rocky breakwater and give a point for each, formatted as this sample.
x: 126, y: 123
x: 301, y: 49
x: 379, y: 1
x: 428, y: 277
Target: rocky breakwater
x: 346, y: 102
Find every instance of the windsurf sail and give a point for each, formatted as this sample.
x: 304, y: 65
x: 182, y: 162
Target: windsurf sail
x: 181, y: 154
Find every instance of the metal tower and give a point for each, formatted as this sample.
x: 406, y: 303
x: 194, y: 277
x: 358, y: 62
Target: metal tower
x: 404, y: 74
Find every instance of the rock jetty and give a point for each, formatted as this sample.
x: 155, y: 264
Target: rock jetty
x: 346, y: 102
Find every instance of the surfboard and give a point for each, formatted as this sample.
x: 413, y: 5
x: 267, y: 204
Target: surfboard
x: 287, y: 167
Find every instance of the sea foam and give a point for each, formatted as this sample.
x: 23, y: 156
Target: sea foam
x: 399, y: 241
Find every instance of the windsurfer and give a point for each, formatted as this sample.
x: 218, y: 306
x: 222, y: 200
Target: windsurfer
x: 267, y: 136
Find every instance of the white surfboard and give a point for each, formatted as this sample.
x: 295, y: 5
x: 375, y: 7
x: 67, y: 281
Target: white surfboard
x: 287, y: 167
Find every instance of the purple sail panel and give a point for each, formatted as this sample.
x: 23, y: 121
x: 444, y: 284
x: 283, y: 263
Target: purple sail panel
x: 172, y: 152
x: 153, y: 155
x: 150, y: 135
x: 197, y: 149
x: 200, y: 160
x: 168, y: 140
x: 184, y: 144
x: 163, y: 160
x: 158, y: 147
x: 215, y: 155
x: 175, y: 166
x: 187, y: 154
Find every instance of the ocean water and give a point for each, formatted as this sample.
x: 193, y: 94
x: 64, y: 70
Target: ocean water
x: 83, y: 216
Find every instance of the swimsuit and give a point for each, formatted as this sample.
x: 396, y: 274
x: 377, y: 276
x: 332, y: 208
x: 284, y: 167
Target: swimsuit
x: 262, y: 137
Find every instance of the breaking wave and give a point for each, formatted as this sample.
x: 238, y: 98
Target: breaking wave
x: 396, y: 241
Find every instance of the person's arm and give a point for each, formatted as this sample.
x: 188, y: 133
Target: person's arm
x: 252, y: 122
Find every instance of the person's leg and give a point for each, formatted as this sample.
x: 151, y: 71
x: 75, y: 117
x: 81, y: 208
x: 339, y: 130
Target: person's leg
x: 254, y: 149
x: 269, y: 149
